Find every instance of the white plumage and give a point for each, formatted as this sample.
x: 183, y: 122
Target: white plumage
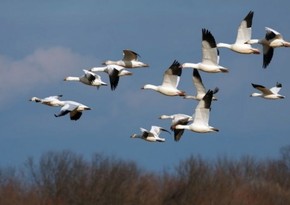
x: 89, y: 78
x: 73, y: 108
x: 170, y: 81
x: 114, y: 72
x: 130, y: 60
x: 210, y: 56
x: 177, y: 119
x: 200, y: 88
x: 244, y: 35
x: 200, y: 117
x: 50, y: 101
x: 152, y: 135
x: 266, y: 93
x: 273, y: 39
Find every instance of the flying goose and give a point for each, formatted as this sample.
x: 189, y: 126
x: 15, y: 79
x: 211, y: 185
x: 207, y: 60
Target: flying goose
x: 89, y: 78
x: 210, y: 55
x: 171, y: 78
x: 201, y: 116
x: 73, y: 108
x: 266, y: 93
x: 273, y: 39
x: 152, y: 135
x: 50, y: 101
x: 130, y: 60
x: 114, y: 72
x: 177, y: 119
x: 244, y: 35
x: 200, y: 89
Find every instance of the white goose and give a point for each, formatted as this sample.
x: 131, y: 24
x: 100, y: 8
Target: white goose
x: 273, y: 39
x: 170, y: 82
x: 177, y: 119
x: 89, y: 78
x: 50, y: 101
x: 114, y: 72
x: 268, y: 93
x: 210, y: 57
x: 130, y: 60
x: 243, y: 36
x: 73, y: 108
x: 200, y: 89
x: 152, y: 135
x: 201, y: 116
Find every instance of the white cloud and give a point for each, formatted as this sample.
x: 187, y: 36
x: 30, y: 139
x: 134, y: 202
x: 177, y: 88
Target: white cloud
x: 42, y: 67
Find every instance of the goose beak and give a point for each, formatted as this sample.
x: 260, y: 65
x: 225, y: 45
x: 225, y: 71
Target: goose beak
x: 146, y: 65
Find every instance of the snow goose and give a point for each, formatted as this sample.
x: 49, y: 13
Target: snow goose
x: 201, y: 116
x: 114, y: 72
x: 210, y: 55
x: 89, y: 78
x: 152, y: 135
x: 273, y: 39
x: 244, y: 35
x: 170, y: 82
x: 177, y: 119
x: 130, y: 60
x: 50, y: 101
x: 200, y: 89
x: 74, y: 108
x: 266, y: 93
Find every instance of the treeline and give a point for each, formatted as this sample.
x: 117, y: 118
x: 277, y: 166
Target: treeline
x: 66, y: 178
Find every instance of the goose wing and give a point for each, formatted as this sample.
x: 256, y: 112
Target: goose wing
x: 52, y: 97
x: 272, y: 34
x: 90, y: 75
x: 75, y: 114
x: 66, y: 108
x: 202, y: 110
x: 277, y: 88
x: 197, y: 81
x: 114, y: 77
x: 129, y: 55
x: 156, y: 130
x: 209, y: 49
x: 268, y: 53
x: 172, y: 75
x: 180, y: 120
x: 145, y: 133
x: 263, y: 89
x: 245, y: 29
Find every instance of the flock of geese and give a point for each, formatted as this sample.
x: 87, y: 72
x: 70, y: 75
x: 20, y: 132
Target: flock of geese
x: 199, y: 120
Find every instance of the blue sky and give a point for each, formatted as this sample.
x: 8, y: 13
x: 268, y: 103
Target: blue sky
x: 41, y: 43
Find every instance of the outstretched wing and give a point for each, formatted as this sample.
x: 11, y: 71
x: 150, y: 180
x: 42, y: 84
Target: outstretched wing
x: 272, y: 34
x: 277, y: 88
x: 262, y: 88
x: 172, y: 75
x: 129, y: 55
x: 90, y: 75
x: 245, y: 29
x: 197, y: 81
x: 209, y: 49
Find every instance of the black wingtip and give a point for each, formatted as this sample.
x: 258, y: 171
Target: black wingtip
x: 257, y: 85
x: 278, y: 85
x: 249, y: 19
x: 215, y: 90
x: 175, y: 68
x: 207, y: 36
x: 208, y: 98
x: 176, y: 63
